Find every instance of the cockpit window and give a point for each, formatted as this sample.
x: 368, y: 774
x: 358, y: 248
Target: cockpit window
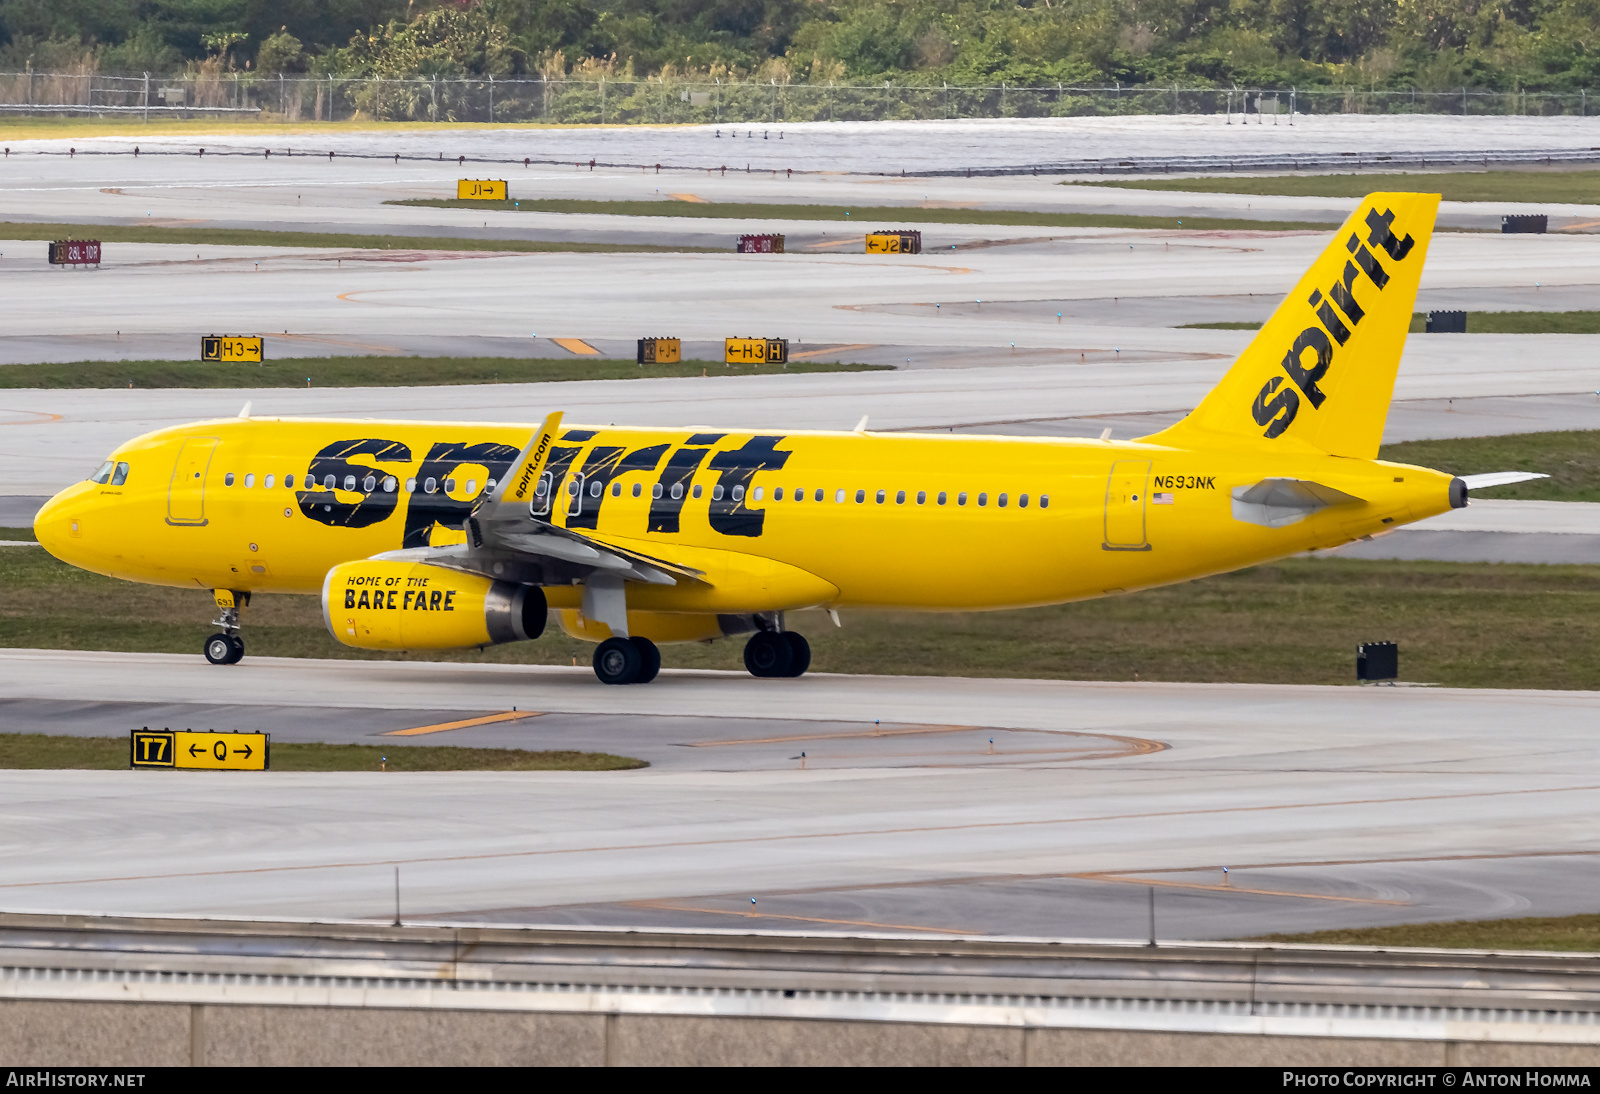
x: 119, y: 476
x: 103, y: 475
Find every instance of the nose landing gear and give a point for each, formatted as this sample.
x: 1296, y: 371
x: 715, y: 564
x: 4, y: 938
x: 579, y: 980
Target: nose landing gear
x: 226, y: 648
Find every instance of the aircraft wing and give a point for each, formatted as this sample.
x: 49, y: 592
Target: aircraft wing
x: 509, y: 539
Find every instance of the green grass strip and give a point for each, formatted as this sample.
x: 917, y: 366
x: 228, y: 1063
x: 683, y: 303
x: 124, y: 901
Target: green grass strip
x: 1570, y: 933
x: 255, y: 237
x: 1568, y: 187
x: 378, y: 372
x: 870, y: 217
x: 36, y: 751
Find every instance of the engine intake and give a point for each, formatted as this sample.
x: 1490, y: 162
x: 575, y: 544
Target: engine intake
x: 378, y: 605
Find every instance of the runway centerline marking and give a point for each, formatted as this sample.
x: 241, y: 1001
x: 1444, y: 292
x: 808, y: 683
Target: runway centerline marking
x: 465, y: 723
x: 796, y: 836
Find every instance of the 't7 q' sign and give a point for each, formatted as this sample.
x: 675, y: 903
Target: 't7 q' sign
x: 185, y: 748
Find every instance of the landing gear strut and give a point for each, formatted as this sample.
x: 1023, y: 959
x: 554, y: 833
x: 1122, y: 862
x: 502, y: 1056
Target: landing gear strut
x: 227, y: 648
x: 627, y: 661
x: 777, y: 653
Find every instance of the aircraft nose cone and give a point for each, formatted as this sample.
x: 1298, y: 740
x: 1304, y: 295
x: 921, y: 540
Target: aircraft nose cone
x: 59, y: 525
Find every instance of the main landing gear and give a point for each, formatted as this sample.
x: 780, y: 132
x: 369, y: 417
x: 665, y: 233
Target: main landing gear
x: 777, y: 653
x: 627, y: 661
x: 227, y: 648
x: 636, y: 660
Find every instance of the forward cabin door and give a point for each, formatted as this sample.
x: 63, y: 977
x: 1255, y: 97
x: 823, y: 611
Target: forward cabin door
x: 1127, y: 494
x: 186, y: 494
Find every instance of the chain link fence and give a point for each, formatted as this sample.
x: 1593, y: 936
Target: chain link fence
x: 676, y: 101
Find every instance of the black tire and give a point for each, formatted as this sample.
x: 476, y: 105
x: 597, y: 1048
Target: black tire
x: 768, y: 654
x: 218, y: 650
x: 801, y: 650
x: 238, y: 649
x: 649, y: 659
x: 617, y: 661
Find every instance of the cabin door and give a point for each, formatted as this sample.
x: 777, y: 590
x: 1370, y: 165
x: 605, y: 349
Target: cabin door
x: 1127, y: 494
x: 186, y: 494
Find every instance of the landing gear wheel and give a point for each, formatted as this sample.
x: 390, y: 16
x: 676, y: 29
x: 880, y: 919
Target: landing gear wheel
x: 617, y: 661
x: 801, y: 649
x: 768, y: 654
x: 219, y: 650
x: 237, y: 645
x: 649, y: 659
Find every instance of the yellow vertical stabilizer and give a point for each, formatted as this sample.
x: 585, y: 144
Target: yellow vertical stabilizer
x: 1321, y: 371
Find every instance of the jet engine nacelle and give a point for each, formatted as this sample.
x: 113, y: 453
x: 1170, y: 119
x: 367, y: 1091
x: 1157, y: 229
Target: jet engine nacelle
x: 379, y: 605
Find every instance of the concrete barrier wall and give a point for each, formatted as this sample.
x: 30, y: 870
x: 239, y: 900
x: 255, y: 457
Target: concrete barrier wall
x: 53, y: 1033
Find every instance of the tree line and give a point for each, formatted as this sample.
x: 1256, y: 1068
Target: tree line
x: 1379, y: 44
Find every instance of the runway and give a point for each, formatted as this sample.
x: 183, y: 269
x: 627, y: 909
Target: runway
x: 1331, y: 806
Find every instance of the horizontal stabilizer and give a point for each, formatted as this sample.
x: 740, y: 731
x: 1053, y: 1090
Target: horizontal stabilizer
x: 1276, y: 503
x: 1499, y: 478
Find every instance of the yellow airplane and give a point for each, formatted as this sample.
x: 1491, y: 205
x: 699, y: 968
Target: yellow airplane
x: 436, y: 535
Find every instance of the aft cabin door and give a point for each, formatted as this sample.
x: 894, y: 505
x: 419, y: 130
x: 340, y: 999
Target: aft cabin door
x: 1127, y: 494
x: 186, y: 494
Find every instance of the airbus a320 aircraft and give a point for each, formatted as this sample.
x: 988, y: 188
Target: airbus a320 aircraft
x: 436, y: 535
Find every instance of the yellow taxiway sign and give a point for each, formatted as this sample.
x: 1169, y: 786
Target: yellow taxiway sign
x: 187, y: 748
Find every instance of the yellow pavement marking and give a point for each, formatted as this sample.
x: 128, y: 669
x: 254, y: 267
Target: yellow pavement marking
x: 694, y: 199
x: 576, y: 345
x: 672, y: 906
x: 832, y: 349
x: 1129, y: 879
x: 466, y: 723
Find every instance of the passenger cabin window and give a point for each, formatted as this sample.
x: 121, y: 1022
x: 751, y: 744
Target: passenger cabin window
x: 983, y: 499
x: 616, y: 490
x: 861, y: 496
x: 288, y: 481
x: 881, y: 495
x: 267, y: 482
x: 370, y: 483
x: 350, y: 482
x: 103, y: 474
x: 777, y: 494
x: 900, y: 497
x: 697, y: 489
x: 449, y: 486
x: 677, y: 490
x: 655, y: 491
x: 250, y: 481
x: 1044, y: 501
x: 227, y: 480
x: 389, y: 483
x: 1002, y: 501
x: 120, y: 475
x: 941, y: 497
x: 1022, y: 502
x: 472, y: 488
x: 922, y: 497
x: 961, y: 498
x: 716, y: 492
x: 819, y: 494
x: 757, y: 494
x: 738, y: 493
x: 638, y: 488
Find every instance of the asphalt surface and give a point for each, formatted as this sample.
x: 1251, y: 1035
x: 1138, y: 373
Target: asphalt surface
x: 1330, y: 806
